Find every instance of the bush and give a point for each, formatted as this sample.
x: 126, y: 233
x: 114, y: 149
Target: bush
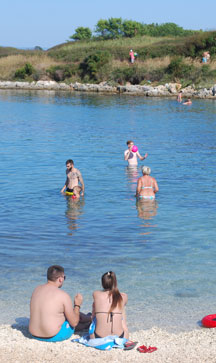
x: 93, y: 65
x: 177, y: 68
x: 134, y: 75
x: 27, y: 70
x: 60, y: 73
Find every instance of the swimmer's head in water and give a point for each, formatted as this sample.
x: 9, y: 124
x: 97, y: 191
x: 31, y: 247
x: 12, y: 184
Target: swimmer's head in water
x: 76, y: 191
x: 146, y: 170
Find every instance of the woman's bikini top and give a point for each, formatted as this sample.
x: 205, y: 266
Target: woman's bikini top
x: 150, y: 187
x: 109, y: 315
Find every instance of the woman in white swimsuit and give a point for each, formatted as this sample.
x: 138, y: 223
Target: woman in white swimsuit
x: 109, y: 309
x: 146, y: 185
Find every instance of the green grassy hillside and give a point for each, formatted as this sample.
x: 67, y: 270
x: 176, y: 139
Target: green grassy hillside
x: 159, y: 60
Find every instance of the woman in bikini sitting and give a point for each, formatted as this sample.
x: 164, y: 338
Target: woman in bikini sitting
x: 146, y: 185
x: 109, y: 309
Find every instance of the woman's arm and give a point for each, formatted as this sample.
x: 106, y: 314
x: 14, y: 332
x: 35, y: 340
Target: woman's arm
x: 124, y: 319
x: 138, y: 189
x: 155, y: 185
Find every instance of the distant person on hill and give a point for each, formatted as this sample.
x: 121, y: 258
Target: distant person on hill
x: 131, y: 156
x: 53, y: 316
x: 188, y: 102
x: 73, y: 178
x: 132, y: 56
x: 206, y: 57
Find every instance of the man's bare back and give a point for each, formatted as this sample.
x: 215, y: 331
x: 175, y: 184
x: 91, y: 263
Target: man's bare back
x: 50, y: 307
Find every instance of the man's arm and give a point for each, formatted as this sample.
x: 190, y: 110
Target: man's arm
x: 65, y: 186
x: 127, y: 154
x: 142, y: 157
x: 72, y: 313
x: 63, y: 189
x: 82, y: 183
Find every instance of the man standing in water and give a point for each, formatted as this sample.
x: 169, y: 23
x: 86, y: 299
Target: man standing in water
x: 131, y: 156
x: 53, y: 316
x: 73, y: 178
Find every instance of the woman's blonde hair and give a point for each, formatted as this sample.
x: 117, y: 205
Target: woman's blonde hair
x: 146, y: 170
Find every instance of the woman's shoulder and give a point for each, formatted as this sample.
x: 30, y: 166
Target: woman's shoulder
x: 97, y: 292
x: 124, y: 297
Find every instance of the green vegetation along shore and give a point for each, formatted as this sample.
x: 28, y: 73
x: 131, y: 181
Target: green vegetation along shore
x: 160, y: 60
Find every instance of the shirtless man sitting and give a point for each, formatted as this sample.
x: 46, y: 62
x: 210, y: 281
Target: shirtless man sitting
x: 53, y: 317
x: 73, y: 178
x: 131, y: 156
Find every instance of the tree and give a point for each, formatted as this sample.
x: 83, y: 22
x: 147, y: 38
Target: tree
x: 102, y: 28
x: 132, y: 28
x: 81, y: 33
x: 110, y: 29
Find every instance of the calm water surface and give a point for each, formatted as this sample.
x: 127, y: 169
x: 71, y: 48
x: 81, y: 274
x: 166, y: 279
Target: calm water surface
x: 163, y: 253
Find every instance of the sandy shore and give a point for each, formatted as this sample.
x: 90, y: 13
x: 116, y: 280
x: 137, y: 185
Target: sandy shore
x: 195, y: 346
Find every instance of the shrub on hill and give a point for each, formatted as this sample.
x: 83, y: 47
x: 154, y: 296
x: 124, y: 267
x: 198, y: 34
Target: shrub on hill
x: 61, y: 72
x: 27, y: 70
x: 94, y: 67
x: 178, y: 69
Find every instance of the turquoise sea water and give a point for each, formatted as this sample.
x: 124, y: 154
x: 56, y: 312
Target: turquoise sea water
x: 163, y: 253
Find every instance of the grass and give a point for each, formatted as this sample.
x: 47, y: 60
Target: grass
x: 9, y: 64
x: 154, y: 58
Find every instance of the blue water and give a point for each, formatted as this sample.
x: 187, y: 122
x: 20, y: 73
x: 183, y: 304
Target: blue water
x: 163, y: 253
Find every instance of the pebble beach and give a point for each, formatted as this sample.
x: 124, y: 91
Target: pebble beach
x: 188, y: 347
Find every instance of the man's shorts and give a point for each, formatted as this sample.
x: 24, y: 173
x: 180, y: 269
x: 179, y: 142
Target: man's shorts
x: 65, y: 333
x: 69, y: 191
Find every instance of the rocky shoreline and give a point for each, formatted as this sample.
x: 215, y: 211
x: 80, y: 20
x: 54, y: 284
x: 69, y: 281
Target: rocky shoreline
x: 167, y: 90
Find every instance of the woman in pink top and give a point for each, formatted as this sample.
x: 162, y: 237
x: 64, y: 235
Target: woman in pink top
x: 132, y: 57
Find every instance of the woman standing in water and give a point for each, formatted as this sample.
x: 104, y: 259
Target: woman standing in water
x: 146, y: 185
x: 109, y: 309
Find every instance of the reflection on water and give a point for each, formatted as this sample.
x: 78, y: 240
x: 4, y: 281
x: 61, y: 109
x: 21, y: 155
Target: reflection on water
x: 132, y: 174
x: 73, y: 212
x: 147, y: 209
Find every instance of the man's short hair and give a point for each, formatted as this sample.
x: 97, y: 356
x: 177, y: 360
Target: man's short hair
x: 129, y: 142
x: 69, y: 161
x: 54, y: 272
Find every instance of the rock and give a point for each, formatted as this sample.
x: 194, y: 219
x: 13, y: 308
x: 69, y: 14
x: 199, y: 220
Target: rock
x: 169, y: 89
x: 172, y: 87
x: 46, y: 85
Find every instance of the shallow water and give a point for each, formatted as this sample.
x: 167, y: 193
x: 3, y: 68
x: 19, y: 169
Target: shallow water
x: 163, y: 253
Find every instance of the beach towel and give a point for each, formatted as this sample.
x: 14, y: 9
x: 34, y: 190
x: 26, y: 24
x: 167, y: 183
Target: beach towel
x: 106, y: 343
